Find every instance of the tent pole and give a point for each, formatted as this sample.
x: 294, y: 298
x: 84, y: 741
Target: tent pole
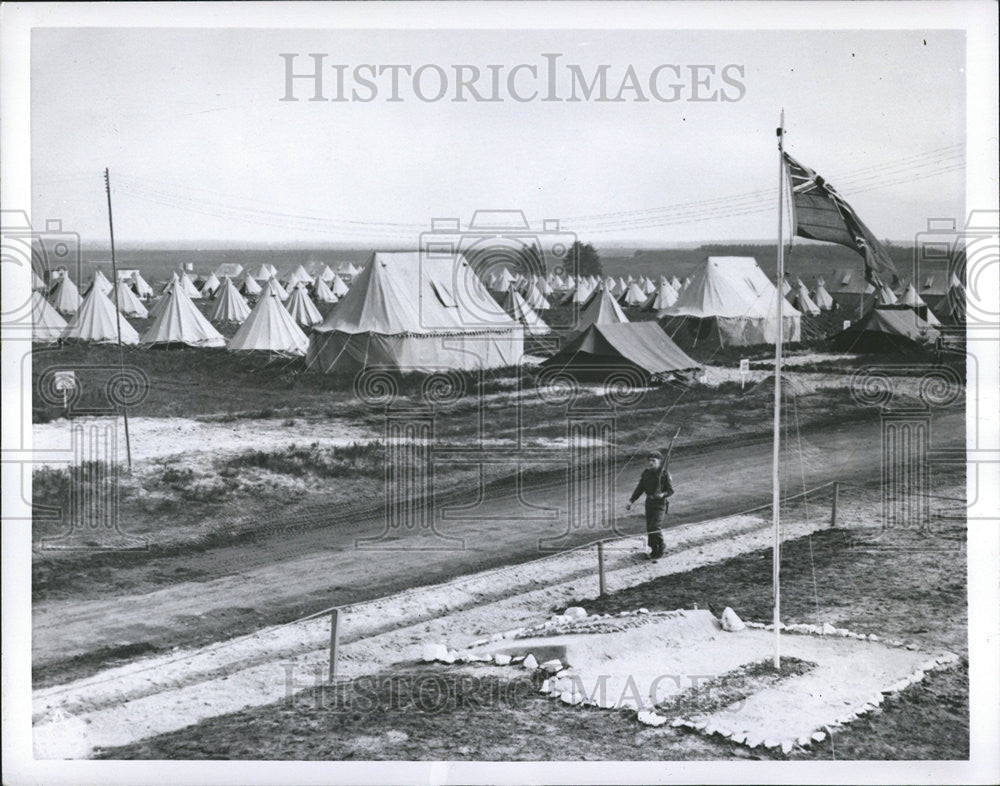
x: 118, y: 317
x: 776, y: 453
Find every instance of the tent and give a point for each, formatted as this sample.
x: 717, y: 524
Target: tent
x: 188, y: 286
x: 97, y: 321
x: 37, y: 283
x: 851, y: 291
x: 662, y: 297
x: 46, y: 323
x: 515, y: 305
x: 250, y: 287
x: 269, y: 328
x: 141, y: 286
x: 323, y: 293
x: 890, y: 330
x: 337, y: 286
x: 634, y: 295
x: 601, y: 309
x: 579, y: 294
x: 275, y: 286
x: 229, y: 304
x: 642, y: 347
x: 729, y: 302
x: 178, y: 321
x: 211, y: 285
x: 802, y: 301
x: 129, y: 303
x: 101, y: 281
x: 264, y: 272
x: 325, y: 274
x: 503, y: 280
x: 301, y: 308
x: 415, y: 314
x: 822, y: 298
x: 299, y: 276
x: 230, y: 269
x: 676, y: 284
x: 536, y: 299
x: 648, y: 287
x: 64, y: 296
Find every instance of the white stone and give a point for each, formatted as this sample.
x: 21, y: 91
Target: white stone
x: 677, y: 722
x: 501, y: 659
x: 828, y: 629
x: 771, y: 743
x: 754, y: 740
x: 517, y: 659
x: 433, y: 652
x: 739, y: 737
x: 575, y: 613
x: 552, y: 666
x: 731, y: 621
x: 803, y: 740
x: 651, y: 719
x: 643, y: 611
x: 570, y: 697
x: 449, y: 657
x: 872, y: 637
x: 786, y: 746
x: 818, y: 736
x: 546, y: 687
x: 530, y: 663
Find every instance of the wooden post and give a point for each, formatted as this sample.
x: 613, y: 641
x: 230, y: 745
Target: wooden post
x: 600, y: 568
x: 833, y: 508
x: 334, y: 640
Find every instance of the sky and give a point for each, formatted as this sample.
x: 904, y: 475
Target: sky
x: 202, y: 150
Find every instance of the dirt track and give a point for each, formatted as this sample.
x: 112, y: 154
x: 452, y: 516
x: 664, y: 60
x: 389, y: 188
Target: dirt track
x: 227, y: 591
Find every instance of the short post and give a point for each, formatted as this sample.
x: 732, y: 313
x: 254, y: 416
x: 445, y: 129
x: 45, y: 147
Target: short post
x: 334, y: 640
x: 600, y: 568
x: 833, y: 508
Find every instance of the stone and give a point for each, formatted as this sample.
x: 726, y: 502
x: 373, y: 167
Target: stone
x: 449, y: 657
x: 651, y: 719
x: 739, y: 737
x: 872, y: 637
x: 643, y: 611
x: 570, y: 697
x: 731, y: 623
x: 818, y: 736
x: 517, y: 659
x: 530, y: 663
x: 501, y: 659
x: 546, y: 687
x: 770, y: 742
x: 677, y: 722
x: 828, y: 629
x: 433, y: 652
x: 803, y: 741
x: 575, y: 613
x: 552, y: 666
x: 786, y: 746
x: 754, y: 740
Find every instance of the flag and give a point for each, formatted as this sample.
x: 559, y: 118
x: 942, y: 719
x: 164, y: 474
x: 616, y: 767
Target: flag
x: 820, y: 213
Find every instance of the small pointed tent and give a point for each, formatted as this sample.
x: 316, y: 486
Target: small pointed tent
x: 822, y: 298
x: 301, y: 308
x: 515, y: 305
x: 634, y: 295
x: 325, y: 275
x: 298, y: 276
x: 802, y: 301
x: 885, y: 297
x: 229, y: 304
x: 188, y: 286
x: 579, y: 295
x: 230, y: 269
x: 729, y: 302
x: 269, y: 328
x: 250, y: 287
x: 264, y: 272
x: 97, y: 321
x: 663, y: 297
x: 338, y: 286
x: 676, y: 284
x: 129, y: 303
x: 178, y: 321
x: 47, y: 324
x: 275, y: 286
x: 101, y: 281
x: 416, y: 314
x: 323, y: 292
x: 211, y: 285
x: 65, y: 297
x: 536, y: 299
x: 642, y: 347
x: 648, y: 287
x: 886, y: 330
x: 602, y: 309
x: 37, y: 283
x: 141, y: 286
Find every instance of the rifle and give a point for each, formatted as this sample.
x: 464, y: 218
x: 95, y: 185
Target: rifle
x: 666, y: 457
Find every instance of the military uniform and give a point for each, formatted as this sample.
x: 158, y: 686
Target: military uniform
x: 655, y: 484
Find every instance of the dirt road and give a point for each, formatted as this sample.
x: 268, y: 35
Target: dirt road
x: 223, y: 592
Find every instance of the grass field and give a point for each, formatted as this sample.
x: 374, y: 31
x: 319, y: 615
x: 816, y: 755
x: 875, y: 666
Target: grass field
x: 904, y: 585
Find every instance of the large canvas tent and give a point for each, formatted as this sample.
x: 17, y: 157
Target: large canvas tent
x: 301, y: 308
x: 129, y: 303
x: 64, y: 296
x: 729, y: 302
x: 97, y: 321
x: 601, y: 309
x: 600, y: 350
x: 851, y: 291
x: 269, y: 328
x: 229, y: 304
x: 886, y: 330
x: 414, y: 314
x: 515, y: 305
x: 178, y: 321
x: 47, y: 324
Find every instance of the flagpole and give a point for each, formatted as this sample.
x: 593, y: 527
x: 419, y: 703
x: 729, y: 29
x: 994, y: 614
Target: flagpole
x: 776, y: 453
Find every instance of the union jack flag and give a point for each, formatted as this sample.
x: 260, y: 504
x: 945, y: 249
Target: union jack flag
x: 820, y: 213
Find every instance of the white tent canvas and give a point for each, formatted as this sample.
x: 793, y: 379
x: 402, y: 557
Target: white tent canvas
x: 264, y: 272
x: 101, y: 281
x: 803, y: 302
x: 141, y: 286
x: 822, y: 298
x: 129, y: 303
x: 536, y: 299
x: 515, y: 305
x: 269, y: 328
x: 229, y: 304
x: 324, y: 293
x: 302, y: 309
x: 601, y: 309
x: 663, y: 296
x: 65, y: 297
x: 97, y: 321
x: 730, y: 302
x: 634, y: 295
x: 47, y: 324
x: 250, y: 287
x: 178, y: 321
x: 325, y: 274
x: 188, y: 286
x: 211, y: 286
x: 404, y: 313
x: 275, y: 286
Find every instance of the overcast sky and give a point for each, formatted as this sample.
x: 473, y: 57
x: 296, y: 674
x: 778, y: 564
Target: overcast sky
x: 201, y: 149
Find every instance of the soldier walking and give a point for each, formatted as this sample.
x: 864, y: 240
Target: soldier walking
x: 655, y: 484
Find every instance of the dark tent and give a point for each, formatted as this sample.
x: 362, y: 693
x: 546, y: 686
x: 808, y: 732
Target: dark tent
x: 605, y: 347
x: 886, y: 330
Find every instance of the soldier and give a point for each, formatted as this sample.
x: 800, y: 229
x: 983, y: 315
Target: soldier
x: 655, y: 484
